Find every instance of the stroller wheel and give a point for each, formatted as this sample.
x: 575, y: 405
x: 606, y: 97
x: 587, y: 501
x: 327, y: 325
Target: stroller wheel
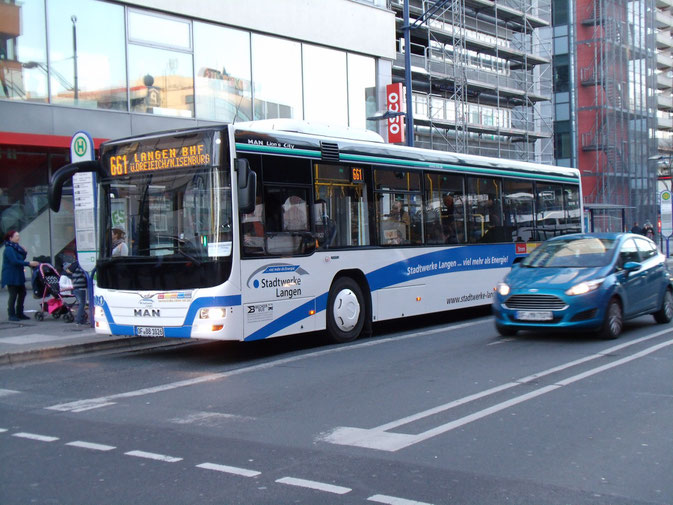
x: 55, y: 315
x: 39, y: 316
x: 68, y: 318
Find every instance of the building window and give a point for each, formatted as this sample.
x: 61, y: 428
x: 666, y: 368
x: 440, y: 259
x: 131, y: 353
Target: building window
x: 23, y: 53
x: 87, y: 66
x: 361, y: 91
x: 160, y: 65
x: 325, y: 85
x: 223, y: 83
x: 276, y: 70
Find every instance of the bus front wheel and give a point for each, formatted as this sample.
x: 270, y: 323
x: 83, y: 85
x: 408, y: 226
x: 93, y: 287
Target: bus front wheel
x: 345, y: 310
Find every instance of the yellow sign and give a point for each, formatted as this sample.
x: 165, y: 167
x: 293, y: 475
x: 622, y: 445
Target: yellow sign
x: 158, y: 159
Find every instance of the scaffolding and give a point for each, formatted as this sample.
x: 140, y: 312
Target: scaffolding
x: 482, y: 78
x: 616, y: 104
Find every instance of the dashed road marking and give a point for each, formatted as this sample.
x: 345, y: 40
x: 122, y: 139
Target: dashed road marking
x: 2, y: 430
x: 393, y: 500
x: 91, y: 445
x: 94, y: 403
x: 35, y: 436
x: 7, y: 392
x: 243, y: 472
x: 154, y: 456
x: 311, y: 484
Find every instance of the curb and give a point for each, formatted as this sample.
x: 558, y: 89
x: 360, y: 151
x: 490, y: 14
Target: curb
x: 47, y: 353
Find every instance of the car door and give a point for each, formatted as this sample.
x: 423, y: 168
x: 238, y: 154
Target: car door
x: 653, y: 272
x: 633, y: 283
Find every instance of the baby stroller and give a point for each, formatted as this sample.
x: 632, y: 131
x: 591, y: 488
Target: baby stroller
x: 46, y: 283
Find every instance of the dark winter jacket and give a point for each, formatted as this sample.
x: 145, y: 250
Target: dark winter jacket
x: 13, y: 262
x: 77, y: 275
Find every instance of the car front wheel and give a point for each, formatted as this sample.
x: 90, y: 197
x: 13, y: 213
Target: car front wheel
x: 505, y: 331
x: 614, y: 320
x: 665, y: 313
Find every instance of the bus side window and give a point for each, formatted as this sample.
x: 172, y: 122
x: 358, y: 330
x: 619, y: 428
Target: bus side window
x: 295, y: 214
x: 253, y: 230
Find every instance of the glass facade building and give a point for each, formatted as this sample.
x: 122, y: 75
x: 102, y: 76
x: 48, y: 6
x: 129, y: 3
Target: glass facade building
x: 117, y: 69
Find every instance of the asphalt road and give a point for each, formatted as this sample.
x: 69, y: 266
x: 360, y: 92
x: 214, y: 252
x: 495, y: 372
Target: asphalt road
x: 425, y: 412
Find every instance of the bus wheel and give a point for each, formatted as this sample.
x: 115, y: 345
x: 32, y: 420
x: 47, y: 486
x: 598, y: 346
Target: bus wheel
x: 345, y: 311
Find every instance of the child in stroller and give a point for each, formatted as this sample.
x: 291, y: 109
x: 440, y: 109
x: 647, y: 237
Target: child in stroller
x: 46, y: 284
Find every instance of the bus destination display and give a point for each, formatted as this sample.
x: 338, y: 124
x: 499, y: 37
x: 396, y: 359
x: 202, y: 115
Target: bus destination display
x: 158, y: 159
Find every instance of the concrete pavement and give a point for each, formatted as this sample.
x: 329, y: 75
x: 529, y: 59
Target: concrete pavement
x: 33, y: 340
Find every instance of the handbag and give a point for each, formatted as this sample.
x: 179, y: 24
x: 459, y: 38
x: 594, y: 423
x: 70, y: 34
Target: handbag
x: 65, y: 283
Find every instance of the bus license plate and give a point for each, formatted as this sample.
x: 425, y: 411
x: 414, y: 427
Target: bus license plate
x: 527, y: 315
x: 149, y: 331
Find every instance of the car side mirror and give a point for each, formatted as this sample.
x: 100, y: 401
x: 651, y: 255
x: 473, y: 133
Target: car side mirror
x: 632, y: 266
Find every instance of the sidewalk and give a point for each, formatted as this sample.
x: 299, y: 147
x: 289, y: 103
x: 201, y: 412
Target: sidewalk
x: 33, y: 340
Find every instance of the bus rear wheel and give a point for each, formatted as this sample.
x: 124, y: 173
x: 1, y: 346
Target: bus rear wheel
x: 345, y: 311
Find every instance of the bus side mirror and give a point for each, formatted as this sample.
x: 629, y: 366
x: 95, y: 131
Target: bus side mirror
x: 58, y: 179
x: 247, y: 186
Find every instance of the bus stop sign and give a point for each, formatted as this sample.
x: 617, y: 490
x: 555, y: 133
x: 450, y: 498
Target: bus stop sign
x: 666, y: 210
x: 83, y: 189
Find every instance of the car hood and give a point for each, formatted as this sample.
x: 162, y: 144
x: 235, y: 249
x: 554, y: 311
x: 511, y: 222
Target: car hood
x: 521, y: 278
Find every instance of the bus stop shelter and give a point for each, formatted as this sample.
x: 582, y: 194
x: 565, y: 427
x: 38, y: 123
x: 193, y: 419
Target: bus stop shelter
x: 605, y: 217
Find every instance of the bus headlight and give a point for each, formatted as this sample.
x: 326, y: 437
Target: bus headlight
x: 502, y: 288
x: 213, y: 313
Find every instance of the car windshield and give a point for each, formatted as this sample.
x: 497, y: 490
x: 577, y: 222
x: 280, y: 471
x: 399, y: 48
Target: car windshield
x: 585, y: 252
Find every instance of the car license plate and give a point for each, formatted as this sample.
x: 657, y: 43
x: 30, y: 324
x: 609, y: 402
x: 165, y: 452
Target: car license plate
x: 149, y: 331
x: 527, y: 315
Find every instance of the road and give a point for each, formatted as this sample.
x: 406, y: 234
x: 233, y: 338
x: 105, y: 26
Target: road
x: 439, y: 411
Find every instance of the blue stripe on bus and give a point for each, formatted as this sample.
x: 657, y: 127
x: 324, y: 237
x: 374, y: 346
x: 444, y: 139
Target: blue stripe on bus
x: 175, y: 331
x: 397, y: 273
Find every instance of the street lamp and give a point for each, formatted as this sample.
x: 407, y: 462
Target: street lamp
x: 73, y: 18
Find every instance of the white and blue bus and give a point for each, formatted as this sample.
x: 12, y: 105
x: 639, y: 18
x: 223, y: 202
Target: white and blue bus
x: 257, y: 230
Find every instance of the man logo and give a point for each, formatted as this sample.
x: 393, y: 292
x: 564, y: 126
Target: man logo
x: 146, y: 313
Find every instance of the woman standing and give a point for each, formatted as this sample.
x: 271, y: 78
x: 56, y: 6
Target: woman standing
x: 13, y: 263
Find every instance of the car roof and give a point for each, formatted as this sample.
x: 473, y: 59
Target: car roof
x: 603, y: 235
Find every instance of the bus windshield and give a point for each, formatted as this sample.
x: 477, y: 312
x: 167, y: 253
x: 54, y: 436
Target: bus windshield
x: 158, y: 210
x: 169, y: 214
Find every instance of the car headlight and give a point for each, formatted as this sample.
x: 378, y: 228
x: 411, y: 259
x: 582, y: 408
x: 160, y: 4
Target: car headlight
x: 502, y: 288
x: 584, y: 287
x: 212, y: 313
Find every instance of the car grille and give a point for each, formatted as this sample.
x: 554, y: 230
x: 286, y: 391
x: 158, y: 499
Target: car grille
x: 535, y: 302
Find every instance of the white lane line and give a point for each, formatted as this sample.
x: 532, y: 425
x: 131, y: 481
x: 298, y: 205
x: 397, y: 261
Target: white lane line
x: 154, y: 456
x: 393, y: 500
x: 3, y: 430
x: 94, y: 403
x: 7, y: 392
x: 523, y: 380
x: 379, y: 438
x: 311, y: 484
x: 91, y: 445
x: 35, y: 436
x: 243, y: 472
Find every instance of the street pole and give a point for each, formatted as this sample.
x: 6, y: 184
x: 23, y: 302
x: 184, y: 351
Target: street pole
x: 407, y: 75
x: 73, y: 18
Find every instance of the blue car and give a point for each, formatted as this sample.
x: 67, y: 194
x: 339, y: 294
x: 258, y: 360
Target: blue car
x: 585, y: 281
